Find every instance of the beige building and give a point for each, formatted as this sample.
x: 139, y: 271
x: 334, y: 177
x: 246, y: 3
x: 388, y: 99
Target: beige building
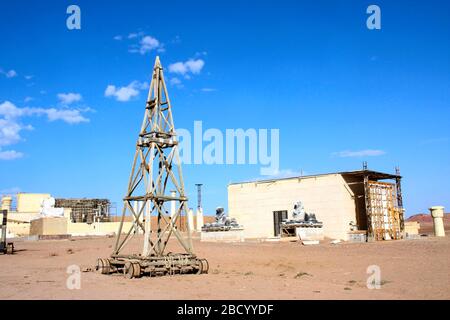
x: 30, y: 202
x: 79, y: 217
x: 346, y: 202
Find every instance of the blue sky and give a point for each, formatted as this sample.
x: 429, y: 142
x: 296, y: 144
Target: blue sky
x: 334, y: 88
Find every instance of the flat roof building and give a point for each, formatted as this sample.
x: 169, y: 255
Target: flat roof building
x: 364, y: 200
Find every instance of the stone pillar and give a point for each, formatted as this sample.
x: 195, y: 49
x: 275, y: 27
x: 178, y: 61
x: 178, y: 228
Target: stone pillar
x: 137, y: 205
x: 173, y: 204
x: 437, y: 212
x: 147, y: 227
x: 199, y: 219
x: 190, y: 220
x: 6, y: 203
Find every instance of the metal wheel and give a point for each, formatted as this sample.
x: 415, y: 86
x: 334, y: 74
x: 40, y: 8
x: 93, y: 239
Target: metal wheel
x: 198, y: 269
x: 205, y: 265
x: 202, y: 266
x: 103, y: 266
x: 131, y: 270
x: 10, y: 248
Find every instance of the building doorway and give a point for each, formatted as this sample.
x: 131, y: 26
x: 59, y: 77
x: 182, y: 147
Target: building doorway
x: 278, y: 217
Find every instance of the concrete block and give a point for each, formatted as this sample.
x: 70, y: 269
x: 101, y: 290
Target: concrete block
x: 409, y: 236
x: 48, y: 226
x: 48, y: 237
x: 310, y: 242
x: 412, y: 227
x: 357, y: 237
x: 309, y: 233
x: 223, y: 236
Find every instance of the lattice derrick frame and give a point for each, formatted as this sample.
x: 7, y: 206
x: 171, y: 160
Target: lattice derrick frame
x: 157, y: 134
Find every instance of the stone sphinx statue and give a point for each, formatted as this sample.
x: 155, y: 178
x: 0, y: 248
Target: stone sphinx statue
x: 302, y: 218
x: 222, y: 223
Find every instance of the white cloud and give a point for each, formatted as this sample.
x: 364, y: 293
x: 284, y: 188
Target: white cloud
x: 133, y: 35
x: 10, y: 131
x: 11, y: 126
x: 175, y: 81
x: 176, y: 40
x: 145, y: 43
x: 121, y: 94
x: 28, y: 99
x: 9, y: 110
x: 208, y: 89
x: 11, y: 113
x: 124, y: 94
x: 360, y: 153
x: 10, y: 155
x: 195, y: 66
x: 11, y: 74
x: 201, y: 53
x: 71, y: 116
x: 69, y: 98
x: 161, y: 48
x: 178, y: 67
x: 148, y: 44
x: 190, y: 66
x: 28, y: 77
x: 118, y: 37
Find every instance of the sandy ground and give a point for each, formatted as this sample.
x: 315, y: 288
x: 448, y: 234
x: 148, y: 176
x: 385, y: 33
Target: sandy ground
x: 410, y: 269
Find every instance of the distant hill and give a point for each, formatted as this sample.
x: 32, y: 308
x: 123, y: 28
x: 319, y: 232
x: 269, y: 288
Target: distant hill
x: 426, y: 218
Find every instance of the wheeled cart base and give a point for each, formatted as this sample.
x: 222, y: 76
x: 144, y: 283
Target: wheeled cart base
x: 135, y: 266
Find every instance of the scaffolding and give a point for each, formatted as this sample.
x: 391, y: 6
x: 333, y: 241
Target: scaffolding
x: 384, y: 209
x: 379, y: 203
x: 86, y: 210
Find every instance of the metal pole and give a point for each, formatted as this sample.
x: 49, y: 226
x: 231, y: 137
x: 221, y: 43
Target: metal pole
x: 199, y: 195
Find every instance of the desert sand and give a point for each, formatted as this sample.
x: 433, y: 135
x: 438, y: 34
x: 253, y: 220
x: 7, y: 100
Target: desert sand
x: 410, y: 269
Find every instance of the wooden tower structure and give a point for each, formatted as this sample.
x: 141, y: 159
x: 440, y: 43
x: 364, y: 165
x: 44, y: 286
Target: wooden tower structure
x: 156, y: 169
